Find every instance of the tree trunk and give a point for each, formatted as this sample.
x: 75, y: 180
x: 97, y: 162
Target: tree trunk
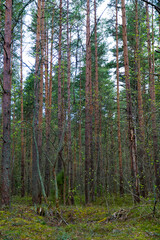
x: 70, y: 157
x: 59, y: 87
x: 131, y: 130
x: 141, y: 149
x: 40, y: 113
x: 153, y: 106
x: 22, y: 131
x: 87, y: 107
x: 47, y: 117
x: 6, y: 107
x: 48, y: 94
x: 36, y: 198
x: 121, y: 189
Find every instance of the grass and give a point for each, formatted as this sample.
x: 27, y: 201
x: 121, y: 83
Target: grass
x: 117, y: 218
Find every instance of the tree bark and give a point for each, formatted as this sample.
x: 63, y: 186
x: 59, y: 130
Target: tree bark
x: 87, y: 107
x: 153, y: 105
x: 47, y: 116
x: 36, y: 192
x: 6, y: 107
x: 70, y: 157
x: 121, y: 189
x: 141, y: 149
x: 59, y: 87
x: 131, y: 130
x: 40, y: 93
x: 22, y: 131
x: 96, y: 130
x: 48, y: 106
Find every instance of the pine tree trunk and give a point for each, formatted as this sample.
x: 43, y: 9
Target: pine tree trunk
x: 36, y: 198
x: 22, y: 131
x: 153, y: 107
x: 131, y: 130
x: 121, y: 189
x: 80, y: 164
x: 141, y: 149
x: 47, y: 117
x: 70, y: 157
x: 153, y: 104
x: 48, y: 94
x: 96, y: 130
x: 87, y: 107
x: 6, y: 107
x: 40, y: 114
x: 59, y: 87
x: 91, y: 168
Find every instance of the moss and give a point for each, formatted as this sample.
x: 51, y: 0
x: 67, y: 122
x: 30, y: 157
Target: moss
x: 81, y: 222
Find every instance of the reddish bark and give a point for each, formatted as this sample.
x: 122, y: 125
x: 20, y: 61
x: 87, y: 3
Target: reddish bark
x: 59, y: 87
x: 47, y: 118
x: 153, y: 104
x: 121, y: 189
x: 48, y: 106
x: 131, y: 130
x: 96, y: 131
x: 141, y: 149
x: 40, y: 93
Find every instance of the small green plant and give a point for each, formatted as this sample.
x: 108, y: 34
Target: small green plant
x: 63, y: 236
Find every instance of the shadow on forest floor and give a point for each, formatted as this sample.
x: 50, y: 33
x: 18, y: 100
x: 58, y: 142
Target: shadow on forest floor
x: 116, y: 221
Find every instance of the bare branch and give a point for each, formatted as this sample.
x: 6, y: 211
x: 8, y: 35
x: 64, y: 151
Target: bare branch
x: 153, y: 5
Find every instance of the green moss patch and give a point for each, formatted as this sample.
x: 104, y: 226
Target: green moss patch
x: 80, y: 222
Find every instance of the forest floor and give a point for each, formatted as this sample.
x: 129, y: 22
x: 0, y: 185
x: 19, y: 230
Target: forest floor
x: 116, y: 218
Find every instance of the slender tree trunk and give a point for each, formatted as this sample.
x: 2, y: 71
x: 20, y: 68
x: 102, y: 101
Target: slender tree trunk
x: 47, y: 117
x: 48, y: 110
x: 13, y: 151
x: 6, y: 107
x: 31, y: 161
x: 153, y: 103
x: 141, y: 149
x: 40, y: 114
x: 59, y: 87
x: 129, y: 109
x: 22, y: 131
x: 80, y: 135
x: 121, y: 189
x: 96, y: 101
x: 91, y: 167
x: 35, y: 163
x: 70, y: 157
x: 87, y: 107
x: 153, y: 106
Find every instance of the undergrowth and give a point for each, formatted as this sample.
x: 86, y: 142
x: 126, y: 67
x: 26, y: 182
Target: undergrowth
x: 111, y: 218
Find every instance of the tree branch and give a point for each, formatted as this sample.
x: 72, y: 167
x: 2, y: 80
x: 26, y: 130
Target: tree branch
x: 153, y: 5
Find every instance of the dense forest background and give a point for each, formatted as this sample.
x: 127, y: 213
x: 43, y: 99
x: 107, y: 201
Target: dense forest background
x: 84, y: 122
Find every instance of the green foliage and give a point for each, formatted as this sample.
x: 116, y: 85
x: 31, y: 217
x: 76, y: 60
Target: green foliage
x: 89, y: 222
